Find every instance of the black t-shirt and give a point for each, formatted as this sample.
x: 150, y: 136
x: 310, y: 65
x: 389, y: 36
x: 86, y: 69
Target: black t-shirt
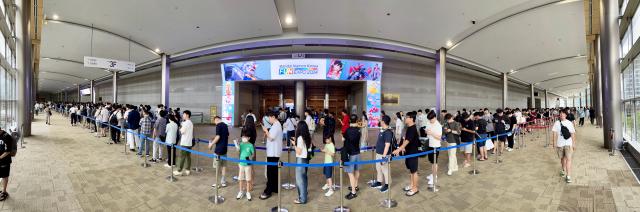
x: 352, y: 140
x: 512, y: 120
x: 571, y: 117
x: 500, y: 127
x: 414, y: 140
x: 329, y: 126
x: 6, y: 145
x: 223, y: 132
x: 482, y: 126
x: 383, y: 138
x: 467, y: 136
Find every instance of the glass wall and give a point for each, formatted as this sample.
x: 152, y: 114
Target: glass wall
x: 8, y: 74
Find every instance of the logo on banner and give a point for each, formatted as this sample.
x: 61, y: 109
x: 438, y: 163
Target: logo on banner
x: 298, y: 70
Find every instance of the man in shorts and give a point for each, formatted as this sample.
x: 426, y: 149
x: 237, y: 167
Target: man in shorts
x: 410, y: 146
x: 220, y: 142
x: 6, y: 145
x: 352, y: 149
x: 468, y: 135
x: 564, y: 146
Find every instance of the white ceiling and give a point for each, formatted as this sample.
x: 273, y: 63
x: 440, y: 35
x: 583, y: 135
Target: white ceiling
x: 513, y: 41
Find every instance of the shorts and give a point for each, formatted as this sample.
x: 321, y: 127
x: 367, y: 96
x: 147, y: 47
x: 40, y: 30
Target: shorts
x: 468, y: 149
x: 565, y: 151
x: 244, y: 173
x: 481, y: 142
x: 353, y: 167
x: 220, y: 163
x: 5, y: 170
x: 327, y: 171
x: 502, y: 138
x: 433, y: 156
x: 104, y: 125
x: 411, y: 164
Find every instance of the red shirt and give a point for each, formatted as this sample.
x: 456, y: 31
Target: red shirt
x: 345, y: 123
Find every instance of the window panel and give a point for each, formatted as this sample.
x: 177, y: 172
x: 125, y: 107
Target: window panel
x: 629, y: 123
x: 628, y: 82
x: 626, y: 42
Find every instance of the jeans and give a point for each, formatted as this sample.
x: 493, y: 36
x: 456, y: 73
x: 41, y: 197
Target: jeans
x: 184, y: 157
x: 301, y: 179
x: 144, y: 144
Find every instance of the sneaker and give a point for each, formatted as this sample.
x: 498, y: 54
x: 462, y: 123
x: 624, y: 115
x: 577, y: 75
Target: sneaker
x: 153, y: 161
x: 177, y: 173
x: 240, y: 195
x: 376, y: 185
x: 223, y: 184
x: 325, y: 187
x: 562, y: 174
x: 568, y: 179
x: 384, y: 188
x: 351, y: 196
x: 187, y: 173
x: 167, y: 165
x: 449, y: 172
x: 509, y: 149
x: 329, y: 193
x: 248, y: 195
x: 407, y: 188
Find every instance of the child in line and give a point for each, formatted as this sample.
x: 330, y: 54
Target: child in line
x: 329, y: 151
x: 244, y: 176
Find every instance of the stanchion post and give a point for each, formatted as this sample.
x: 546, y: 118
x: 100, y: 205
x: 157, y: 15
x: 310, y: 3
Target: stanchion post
x: 473, y: 160
x: 335, y: 158
x: 373, y: 177
x: 279, y: 207
x: 498, y: 161
x: 341, y: 208
x: 126, y: 152
x: 288, y: 185
x: 434, y: 173
x: 197, y: 168
x: 388, y: 202
x: 171, y: 178
x: 216, y: 198
x: 143, y: 142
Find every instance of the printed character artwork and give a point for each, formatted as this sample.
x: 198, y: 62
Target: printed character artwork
x: 335, y: 69
x: 240, y: 71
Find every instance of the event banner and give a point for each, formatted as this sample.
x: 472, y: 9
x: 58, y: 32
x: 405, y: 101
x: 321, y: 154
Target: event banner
x: 306, y: 69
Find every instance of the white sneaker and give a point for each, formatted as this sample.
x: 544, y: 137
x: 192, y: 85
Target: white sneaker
x: 248, y: 196
x: 449, y: 172
x: 223, y: 184
x: 325, y: 187
x: 240, y: 195
x: 509, y: 149
x: 429, y: 177
x: 177, y: 173
x: 187, y: 173
x: 329, y: 193
x: 167, y: 165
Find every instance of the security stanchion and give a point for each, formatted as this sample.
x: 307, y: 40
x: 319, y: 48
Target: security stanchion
x: 388, y: 202
x: 335, y: 185
x: 279, y: 207
x: 547, y: 135
x: 197, y: 168
x: 143, y: 142
x: 288, y: 185
x: 373, y: 177
x: 474, y: 171
x: 434, y: 174
x: 126, y: 151
x: 216, y: 198
x: 341, y: 208
x: 497, y: 144
x: 171, y: 178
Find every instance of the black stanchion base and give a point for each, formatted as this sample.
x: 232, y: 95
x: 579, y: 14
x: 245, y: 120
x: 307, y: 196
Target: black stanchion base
x: 341, y: 209
x: 474, y: 172
x: 216, y: 199
x: 171, y: 178
x: 388, y: 203
x: 288, y: 186
x: 145, y: 165
x: 281, y: 209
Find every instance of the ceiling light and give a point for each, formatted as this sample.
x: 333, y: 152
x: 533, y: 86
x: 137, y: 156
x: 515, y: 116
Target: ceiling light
x: 86, y: 79
x: 288, y: 20
x: 55, y: 17
x: 449, y: 44
x: 157, y: 50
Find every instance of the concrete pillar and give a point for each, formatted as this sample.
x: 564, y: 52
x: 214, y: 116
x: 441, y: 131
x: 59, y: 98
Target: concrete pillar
x: 93, y: 91
x: 505, y: 90
x: 79, y: 94
x: 114, y: 87
x: 166, y: 76
x: 281, y: 97
x: 441, y: 78
x: 300, y: 98
x: 610, y: 47
x: 326, y: 97
x: 533, y: 97
x: 24, y: 82
x: 598, y: 82
x: 546, y: 98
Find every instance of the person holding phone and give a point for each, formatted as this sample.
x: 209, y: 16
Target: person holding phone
x: 274, y: 150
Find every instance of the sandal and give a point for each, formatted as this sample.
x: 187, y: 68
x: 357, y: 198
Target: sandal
x: 408, y: 188
x: 411, y: 193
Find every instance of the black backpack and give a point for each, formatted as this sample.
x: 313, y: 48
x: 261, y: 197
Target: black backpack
x: 564, y: 131
x: 394, y: 142
x: 10, y: 139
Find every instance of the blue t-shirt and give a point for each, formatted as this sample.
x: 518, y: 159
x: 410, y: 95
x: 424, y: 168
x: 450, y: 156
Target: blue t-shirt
x: 223, y: 131
x: 383, y: 138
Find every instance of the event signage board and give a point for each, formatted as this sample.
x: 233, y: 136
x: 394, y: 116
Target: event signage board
x: 111, y: 64
x: 303, y: 69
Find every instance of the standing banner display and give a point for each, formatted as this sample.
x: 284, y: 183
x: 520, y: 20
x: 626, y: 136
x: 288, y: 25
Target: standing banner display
x: 304, y: 69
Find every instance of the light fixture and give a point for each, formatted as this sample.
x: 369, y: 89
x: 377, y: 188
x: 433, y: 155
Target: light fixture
x: 288, y: 20
x: 55, y: 17
x: 86, y: 79
x: 449, y: 44
x: 157, y: 50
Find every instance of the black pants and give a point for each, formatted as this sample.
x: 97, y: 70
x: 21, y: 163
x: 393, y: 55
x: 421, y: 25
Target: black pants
x: 272, y: 177
x: 581, y: 121
x: 592, y: 120
x: 73, y: 119
x: 115, y: 135
x: 510, y: 141
x: 171, y: 155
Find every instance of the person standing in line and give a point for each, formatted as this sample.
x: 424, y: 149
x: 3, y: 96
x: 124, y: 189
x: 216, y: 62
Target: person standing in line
x: 491, y: 132
x: 247, y: 152
x: 434, y: 133
x: 47, y: 113
x: 220, y: 141
x: 113, y: 120
x: 482, y: 135
x: 72, y: 115
x: 452, y: 130
x: 564, y: 139
x: 515, y: 129
x: 351, y: 153
x: 250, y: 114
x: 274, y: 150
x: 399, y: 126
x: 310, y: 122
x: 104, y: 118
x: 159, y: 133
x: 500, y: 123
x: 6, y: 146
x: 302, y: 143
x: 329, y: 151
x: 133, y: 126
x: 383, y: 150
x: 289, y: 127
x: 186, y: 141
x: 146, y: 128
x: 344, y: 122
x: 250, y: 128
x: 410, y: 146
x: 266, y: 123
x: 172, y: 135
x: 468, y: 135
x: 364, y: 131
x: 581, y: 114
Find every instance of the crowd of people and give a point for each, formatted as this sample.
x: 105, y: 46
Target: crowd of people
x: 412, y: 132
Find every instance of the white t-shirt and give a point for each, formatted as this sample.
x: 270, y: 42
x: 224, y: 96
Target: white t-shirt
x: 289, y: 124
x: 436, y: 128
x: 556, y: 128
x: 73, y: 110
x: 172, y: 133
x: 399, y: 127
x: 303, y: 146
x: 274, y: 146
x: 187, y: 136
x: 104, y: 115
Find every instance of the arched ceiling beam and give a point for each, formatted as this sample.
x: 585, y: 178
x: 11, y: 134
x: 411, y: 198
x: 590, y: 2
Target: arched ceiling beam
x: 59, y: 81
x: 105, y: 31
x: 577, y: 83
x: 69, y: 75
x: 63, y: 59
x: 464, y: 35
x: 544, y: 62
x: 560, y: 77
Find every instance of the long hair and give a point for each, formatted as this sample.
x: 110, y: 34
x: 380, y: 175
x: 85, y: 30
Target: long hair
x: 303, y: 130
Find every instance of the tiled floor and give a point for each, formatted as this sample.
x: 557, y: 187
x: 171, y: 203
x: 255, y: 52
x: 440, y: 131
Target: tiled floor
x: 64, y: 168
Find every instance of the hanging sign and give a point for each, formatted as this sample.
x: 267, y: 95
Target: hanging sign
x: 111, y: 64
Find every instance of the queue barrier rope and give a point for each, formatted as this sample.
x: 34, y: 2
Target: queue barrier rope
x: 310, y: 165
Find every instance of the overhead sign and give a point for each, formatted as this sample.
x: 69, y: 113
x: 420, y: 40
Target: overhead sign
x: 96, y: 62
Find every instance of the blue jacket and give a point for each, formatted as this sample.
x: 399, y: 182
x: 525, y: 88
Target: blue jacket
x: 133, y: 120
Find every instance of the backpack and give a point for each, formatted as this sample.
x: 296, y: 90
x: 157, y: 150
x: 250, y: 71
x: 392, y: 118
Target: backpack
x: 13, y: 138
x: 394, y: 142
x: 311, y: 151
x: 564, y: 131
